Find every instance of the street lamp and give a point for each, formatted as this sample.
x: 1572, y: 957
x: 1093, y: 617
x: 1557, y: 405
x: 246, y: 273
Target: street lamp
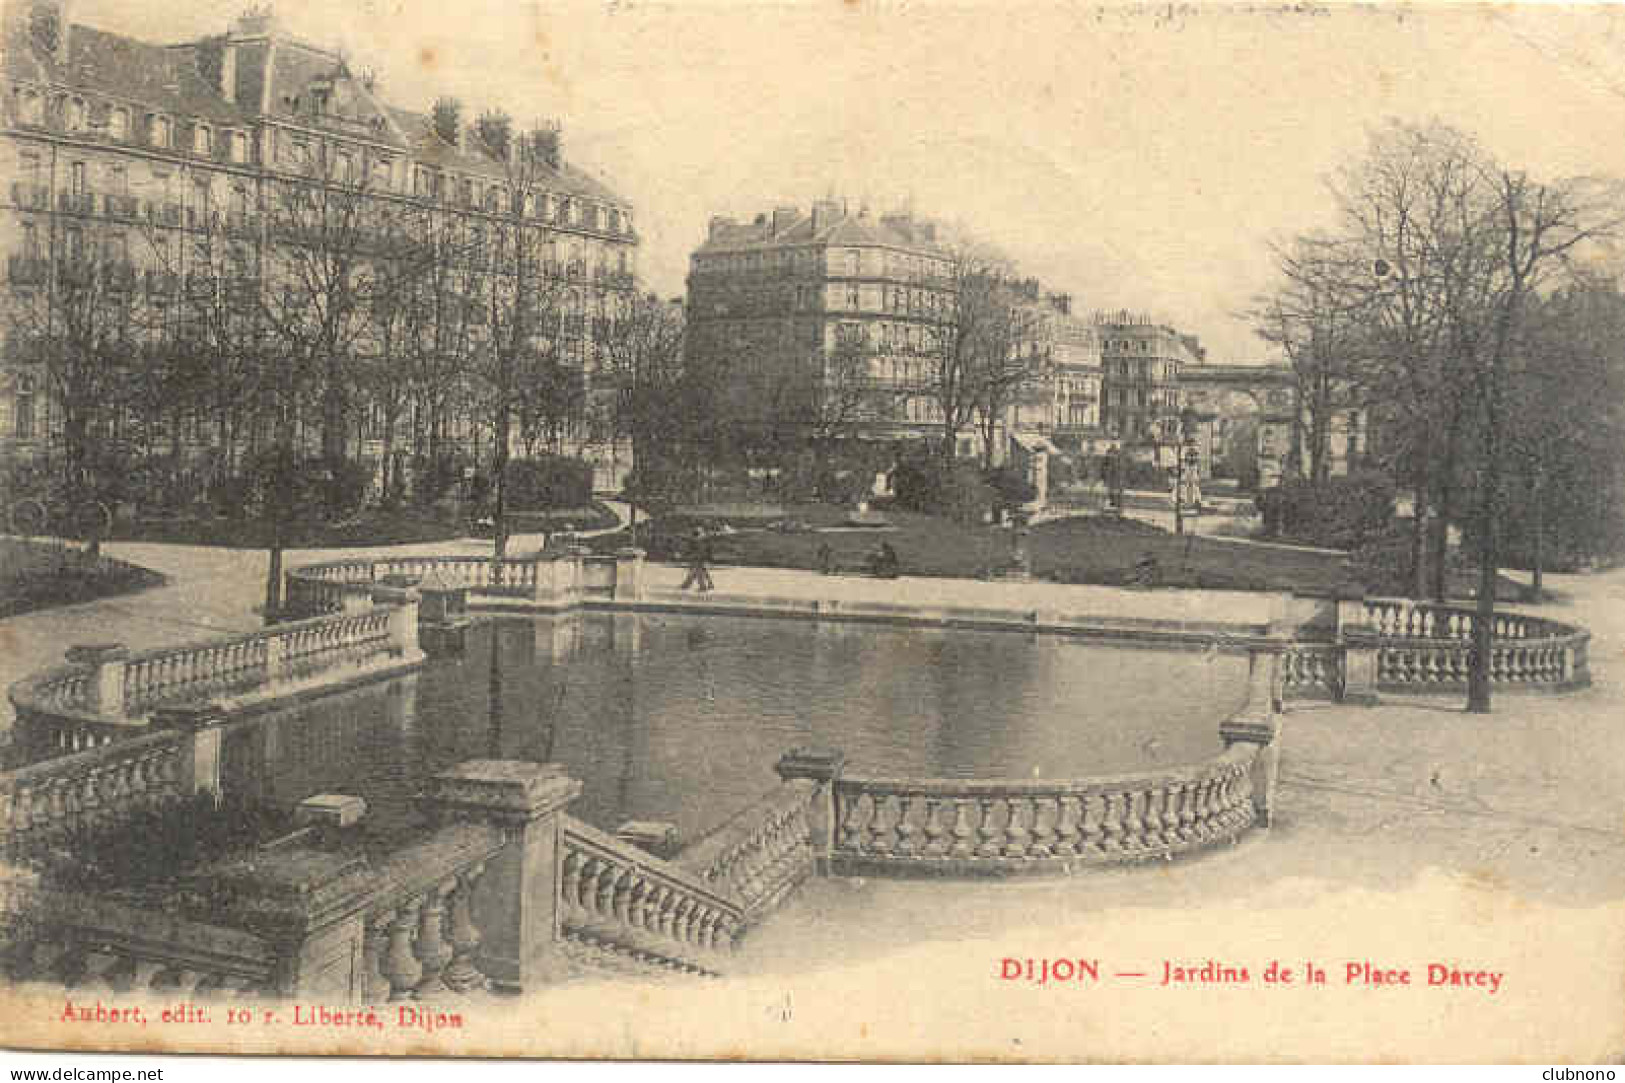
x: 1187, y: 464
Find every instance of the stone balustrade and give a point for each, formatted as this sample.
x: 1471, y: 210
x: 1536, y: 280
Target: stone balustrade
x: 957, y: 827
x: 105, y: 693
x: 1405, y: 618
x: 102, y: 946
x: 1313, y: 670
x: 43, y: 802
x: 547, y: 581
x: 1401, y: 646
x: 613, y: 894
x: 760, y: 855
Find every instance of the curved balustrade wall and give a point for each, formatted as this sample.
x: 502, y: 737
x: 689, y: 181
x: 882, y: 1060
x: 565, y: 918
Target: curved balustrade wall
x: 1397, y: 645
x: 952, y: 827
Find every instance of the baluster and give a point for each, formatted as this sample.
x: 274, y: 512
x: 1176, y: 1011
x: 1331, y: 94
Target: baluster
x: 374, y: 946
x: 1151, y: 814
x: 1068, y: 830
x: 962, y: 846
x: 1046, y: 814
x: 433, y: 950
x: 1016, y: 834
x: 603, y: 904
x: 1134, y: 809
x: 987, y: 829
x: 1111, y: 829
x: 682, y: 920
x: 620, y: 900
x: 907, y: 830
x: 936, y: 832
x: 665, y: 905
x: 879, y: 839
x: 637, y: 903
x: 401, y: 967
x: 852, y: 828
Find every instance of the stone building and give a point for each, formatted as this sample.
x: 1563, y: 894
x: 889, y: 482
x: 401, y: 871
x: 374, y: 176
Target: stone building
x: 153, y: 171
x: 1141, y: 361
x: 822, y: 320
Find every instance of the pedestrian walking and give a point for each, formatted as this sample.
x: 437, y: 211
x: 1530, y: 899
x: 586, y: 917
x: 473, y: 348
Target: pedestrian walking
x: 699, y: 576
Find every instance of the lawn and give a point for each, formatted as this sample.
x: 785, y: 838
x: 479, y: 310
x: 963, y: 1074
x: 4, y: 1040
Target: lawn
x: 375, y: 526
x: 1093, y: 549
x: 39, y: 575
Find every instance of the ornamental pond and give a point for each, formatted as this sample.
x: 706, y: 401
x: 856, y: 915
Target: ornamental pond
x: 680, y: 717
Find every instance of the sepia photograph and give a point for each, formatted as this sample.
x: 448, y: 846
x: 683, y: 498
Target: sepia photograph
x: 819, y: 530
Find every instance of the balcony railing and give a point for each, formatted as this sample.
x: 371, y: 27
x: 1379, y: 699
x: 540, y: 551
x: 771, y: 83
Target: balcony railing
x: 76, y: 202
x: 164, y: 214
x: 27, y: 270
x: 124, y: 207
x: 30, y: 197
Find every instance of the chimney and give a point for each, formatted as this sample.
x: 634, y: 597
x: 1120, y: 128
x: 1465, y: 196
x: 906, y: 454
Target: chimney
x: 783, y: 217
x: 901, y: 224
x: 825, y: 213
x: 720, y: 224
x: 228, y: 70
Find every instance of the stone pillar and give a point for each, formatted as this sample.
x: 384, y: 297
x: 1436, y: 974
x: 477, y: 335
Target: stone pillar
x: 276, y: 657
x: 1259, y: 723
x: 199, y: 748
x: 1359, y: 658
x: 517, y: 905
x: 629, y: 575
x: 1357, y: 638
x: 106, y: 684
x: 308, y: 903
x: 403, y: 617
x: 823, y: 766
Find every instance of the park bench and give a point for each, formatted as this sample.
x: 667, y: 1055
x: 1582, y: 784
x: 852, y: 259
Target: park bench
x: 832, y: 561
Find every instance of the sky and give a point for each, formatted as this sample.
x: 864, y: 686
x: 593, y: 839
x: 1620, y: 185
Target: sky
x: 1135, y: 157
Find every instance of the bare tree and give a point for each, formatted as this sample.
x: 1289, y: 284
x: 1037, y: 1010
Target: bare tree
x: 1540, y: 224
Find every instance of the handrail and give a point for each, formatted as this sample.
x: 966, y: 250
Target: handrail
x: 611, y: 891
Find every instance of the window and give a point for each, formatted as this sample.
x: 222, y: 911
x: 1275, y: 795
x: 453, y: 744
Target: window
x: 852, y: 297
x: 31, y: 247
x: 118, y: 179
x: 73, y: 240
x: 161, y: 131
x: 73, y: 115
x: 118, y: 123
x: 76, y: 178
x: 23, y: 410
x: 30, y: 107
x: 344, y: 168
x: 202, y: 140
x: 466, y: 192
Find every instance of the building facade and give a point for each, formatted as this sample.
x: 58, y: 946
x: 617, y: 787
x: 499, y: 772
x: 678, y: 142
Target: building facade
x: 822, y: 320
x: 1141, y: 362
x: 164, y: 179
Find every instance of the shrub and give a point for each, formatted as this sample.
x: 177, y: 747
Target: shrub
x: 925, y: 483
x: 1340, y: 513
x: 550, y: 481
x: 433, y: 478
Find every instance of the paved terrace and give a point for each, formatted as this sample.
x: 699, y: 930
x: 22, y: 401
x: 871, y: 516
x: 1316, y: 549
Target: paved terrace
x: 1530, y: 799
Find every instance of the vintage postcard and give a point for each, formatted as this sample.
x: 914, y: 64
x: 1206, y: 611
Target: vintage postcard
x: 853, y: 531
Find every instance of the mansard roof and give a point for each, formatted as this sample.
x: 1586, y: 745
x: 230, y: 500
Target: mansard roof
x: 161, y: 78
x: 183, y: 81
x: 852, y: 230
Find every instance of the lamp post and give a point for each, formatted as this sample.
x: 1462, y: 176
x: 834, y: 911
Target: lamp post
x: 1187, y: 461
